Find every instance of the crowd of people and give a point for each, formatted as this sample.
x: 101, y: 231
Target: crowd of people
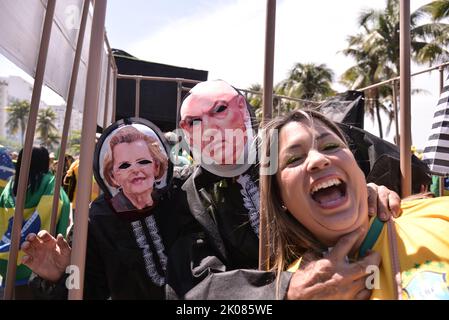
x: 185, y: 225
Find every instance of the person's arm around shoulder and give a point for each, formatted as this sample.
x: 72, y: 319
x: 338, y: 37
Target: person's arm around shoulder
x: 383, y: 202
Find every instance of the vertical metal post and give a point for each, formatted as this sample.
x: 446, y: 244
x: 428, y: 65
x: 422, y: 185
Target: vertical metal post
x: 441, y: 179
x: 178, y: 101
x: 114, y: 95
x: 269, y: 60
x: 108, y: 84
x: 137, y: 112
x: 27, y: 149
x: 78, y: 257
x: 266, y: 115
x: 405, y: 114
x: 68, y: 115
x: 395, y: 106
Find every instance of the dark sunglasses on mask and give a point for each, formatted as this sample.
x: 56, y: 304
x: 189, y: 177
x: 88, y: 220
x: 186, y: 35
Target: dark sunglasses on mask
x: 126, y: 165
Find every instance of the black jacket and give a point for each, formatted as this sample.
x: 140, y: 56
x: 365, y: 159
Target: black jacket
x: 117, y: 265
x: 223, y: 254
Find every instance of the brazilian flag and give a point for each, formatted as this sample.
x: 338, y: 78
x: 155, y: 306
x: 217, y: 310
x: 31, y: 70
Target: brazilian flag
x: 37, y: 216
x: 7, y: 168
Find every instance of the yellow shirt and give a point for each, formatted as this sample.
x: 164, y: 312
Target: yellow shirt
x: 422, y: 234
x: 73, y: 170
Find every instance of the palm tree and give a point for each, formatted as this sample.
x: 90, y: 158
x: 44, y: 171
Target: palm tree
x: 52, y: 140
x: 74, y: 142
x: 376, y: 50
x: 18, y: 112
x: 368, y: 70
x: 255, y: 100
x: 438, y: 9
x: 307, y: 81
x: 46, y: 128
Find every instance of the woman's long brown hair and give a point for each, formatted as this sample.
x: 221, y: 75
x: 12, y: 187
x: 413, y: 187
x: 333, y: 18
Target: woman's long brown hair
x: 289, y: 239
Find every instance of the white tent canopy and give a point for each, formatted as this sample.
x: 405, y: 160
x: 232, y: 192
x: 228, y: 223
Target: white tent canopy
x: 21, y: 22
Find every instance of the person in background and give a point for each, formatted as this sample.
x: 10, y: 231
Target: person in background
x: 7, y: 168
x: 37, y: 213
x: 70, y: 185
x: 14, y: 156
x: 435, y: 186
x: 53, y: 163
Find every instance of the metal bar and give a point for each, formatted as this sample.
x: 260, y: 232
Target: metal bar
x: 186, y: 89
x: 106, y: 99
x: 395, y: 106
x: 114, y: 73
x: 178, y: 102
x: 78, y: 258
x: 283, y: 97
x: 27, y: 149
x: 108, y: 46
x: 150, y: 78
x: 397, y: 78
x: 114, y: 96
x: 441, y: 179
x: 405, y: 113
x: 134, y: 77
x: 267, y: 114
x: 68, y: 115
x: 137, y: 110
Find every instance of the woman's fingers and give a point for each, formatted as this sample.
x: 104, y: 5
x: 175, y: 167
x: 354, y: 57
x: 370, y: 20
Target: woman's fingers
x: 45, y: 236
x: 345, y: 244
x: 363, y: 294
x: 30, y: 237
x: 394, y: 202
x: 63, y: 245
x: 362, y: 268
x: 372, y: 199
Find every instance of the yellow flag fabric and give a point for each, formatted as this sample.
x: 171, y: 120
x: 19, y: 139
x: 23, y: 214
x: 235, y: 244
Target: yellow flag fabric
x: 422, y: 234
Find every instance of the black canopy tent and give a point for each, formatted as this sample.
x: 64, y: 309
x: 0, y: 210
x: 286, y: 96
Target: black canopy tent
x: 157, y: 98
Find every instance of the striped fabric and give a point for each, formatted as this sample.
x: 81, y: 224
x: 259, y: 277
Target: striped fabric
x: 436, y: 154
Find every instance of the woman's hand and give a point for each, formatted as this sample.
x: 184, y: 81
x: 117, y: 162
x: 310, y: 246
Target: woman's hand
x: 383, y: 202
x: 333, y: 277
x: 46, y: 256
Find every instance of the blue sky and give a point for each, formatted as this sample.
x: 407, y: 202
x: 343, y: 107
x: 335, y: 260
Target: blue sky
x: 226, y: 38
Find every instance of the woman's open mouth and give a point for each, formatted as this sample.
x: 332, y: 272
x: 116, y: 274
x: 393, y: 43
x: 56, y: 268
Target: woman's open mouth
x: 330, y: 193
x: 138, y: 180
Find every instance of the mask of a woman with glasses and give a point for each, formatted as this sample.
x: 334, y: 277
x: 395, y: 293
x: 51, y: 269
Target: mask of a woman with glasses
x: 132, y: 165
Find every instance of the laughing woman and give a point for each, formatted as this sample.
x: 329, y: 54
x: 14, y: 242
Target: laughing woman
x: 319, y: 194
